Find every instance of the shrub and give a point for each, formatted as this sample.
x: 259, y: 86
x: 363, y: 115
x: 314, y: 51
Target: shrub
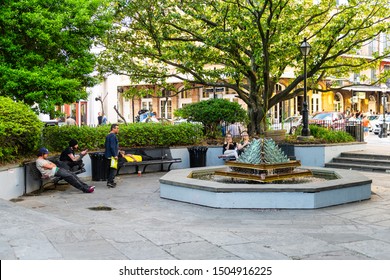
x: 20, y: 130
x: 132, y: 135
x: 56, y: 138
x: 330, y: 136
x: 211, y: 113
x: 324, y: 135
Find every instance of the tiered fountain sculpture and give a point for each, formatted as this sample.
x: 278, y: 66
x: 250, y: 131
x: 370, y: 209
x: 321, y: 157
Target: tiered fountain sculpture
x: 263, y: 161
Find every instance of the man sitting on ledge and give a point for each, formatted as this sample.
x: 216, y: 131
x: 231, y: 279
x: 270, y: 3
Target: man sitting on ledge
x: 50, y: 170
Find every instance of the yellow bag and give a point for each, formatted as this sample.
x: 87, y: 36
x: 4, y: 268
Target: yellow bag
x: 130, y: 159
x: 114, y: 163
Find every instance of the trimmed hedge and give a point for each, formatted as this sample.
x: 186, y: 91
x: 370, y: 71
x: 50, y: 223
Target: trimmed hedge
x: 20, y: 130
x: 330, y: 136
x: 322, y: 135
x: 56, y: 138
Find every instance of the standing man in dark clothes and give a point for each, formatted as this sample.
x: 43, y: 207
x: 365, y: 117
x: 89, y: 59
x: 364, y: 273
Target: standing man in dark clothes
x: 112, y: 150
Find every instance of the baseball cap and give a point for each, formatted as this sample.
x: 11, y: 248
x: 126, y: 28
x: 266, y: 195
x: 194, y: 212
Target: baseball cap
x: 43, y: 150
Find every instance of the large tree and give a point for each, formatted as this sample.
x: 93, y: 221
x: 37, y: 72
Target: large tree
x: 244, y: 45
x: 45, y: 49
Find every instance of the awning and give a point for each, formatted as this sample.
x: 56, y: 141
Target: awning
x: 366, y: 88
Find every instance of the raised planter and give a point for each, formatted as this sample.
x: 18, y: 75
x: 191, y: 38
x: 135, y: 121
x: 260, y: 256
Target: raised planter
x: 276, y: 135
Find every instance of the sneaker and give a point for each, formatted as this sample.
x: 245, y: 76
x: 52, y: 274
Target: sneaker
x: 91, y: 189
x: 111, y: 184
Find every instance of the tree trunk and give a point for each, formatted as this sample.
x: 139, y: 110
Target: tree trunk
x: 120, y: 115
x: 256, y: 119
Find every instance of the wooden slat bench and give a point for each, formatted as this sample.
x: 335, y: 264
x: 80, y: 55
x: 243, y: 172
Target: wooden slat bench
x: 30, y: 168
x: 150, y: 156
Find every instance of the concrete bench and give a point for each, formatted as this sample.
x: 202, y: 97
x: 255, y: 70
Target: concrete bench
x: 150, y: 157
x: 30, y: 168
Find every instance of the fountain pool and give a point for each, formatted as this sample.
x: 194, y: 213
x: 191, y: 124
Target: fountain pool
x: 342, y: 186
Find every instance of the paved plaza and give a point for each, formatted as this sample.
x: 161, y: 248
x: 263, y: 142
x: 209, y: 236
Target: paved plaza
x: 133, y: 222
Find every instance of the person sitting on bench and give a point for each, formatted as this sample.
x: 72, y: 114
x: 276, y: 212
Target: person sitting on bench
x: 50, y: 170
x: 229, y: 148
x: 75, y: 162
x: 123, y: 157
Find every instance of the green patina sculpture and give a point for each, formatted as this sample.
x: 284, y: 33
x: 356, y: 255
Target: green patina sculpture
x: 263, y: 150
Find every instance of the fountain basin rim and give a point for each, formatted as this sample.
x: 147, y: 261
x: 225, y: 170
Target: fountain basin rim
x: 345, y: 179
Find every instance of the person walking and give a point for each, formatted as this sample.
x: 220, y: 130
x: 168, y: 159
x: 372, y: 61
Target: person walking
x: 49, y: 169
x: 111, y: 151
x: 366, y: 125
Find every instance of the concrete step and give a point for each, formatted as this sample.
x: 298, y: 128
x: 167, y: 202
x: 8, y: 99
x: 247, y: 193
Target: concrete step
x: 365, y: 156
x: 362, y: 161
x: 359, y: 167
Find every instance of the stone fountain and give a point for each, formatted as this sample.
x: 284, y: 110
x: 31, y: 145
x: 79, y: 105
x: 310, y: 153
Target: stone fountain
x: 259, y: 172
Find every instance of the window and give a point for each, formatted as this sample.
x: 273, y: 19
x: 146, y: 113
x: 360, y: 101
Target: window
x: 373, y: 75
x: 210, y: 91
x: 338, y: 102
x: 356, y: 78
x: 315, y: 102
x: 205, y: 93
x: 166, y: 108
x: 185, y: 94
x: 147, y: 104
x: 185, y: 97
x: 278, y: 88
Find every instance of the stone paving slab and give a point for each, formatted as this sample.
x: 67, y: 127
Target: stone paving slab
x: 59, y: 224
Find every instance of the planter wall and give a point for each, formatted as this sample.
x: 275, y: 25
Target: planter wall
x: 276, y: 135
x: 318, y: 155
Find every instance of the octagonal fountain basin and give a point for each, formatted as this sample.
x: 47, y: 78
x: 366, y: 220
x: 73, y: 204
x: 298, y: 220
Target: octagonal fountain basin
x: 327, y: 188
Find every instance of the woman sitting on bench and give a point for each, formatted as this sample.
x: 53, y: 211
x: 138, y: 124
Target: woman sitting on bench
x: 229, y: 148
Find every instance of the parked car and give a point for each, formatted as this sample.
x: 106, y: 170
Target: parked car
x: 50, y: 122
x: 290, y: 124
x: 53, y: 123
x: 377, y: 125
x: 373, y: 119
x: 333, y: 120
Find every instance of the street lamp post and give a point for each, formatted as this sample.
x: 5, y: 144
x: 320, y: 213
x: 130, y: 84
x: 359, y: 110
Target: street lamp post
x: 384, y: 127
x: 305, y: 50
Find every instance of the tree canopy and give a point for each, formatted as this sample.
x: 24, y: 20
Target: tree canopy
x: 244, y: 45
x: 45, y: 49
